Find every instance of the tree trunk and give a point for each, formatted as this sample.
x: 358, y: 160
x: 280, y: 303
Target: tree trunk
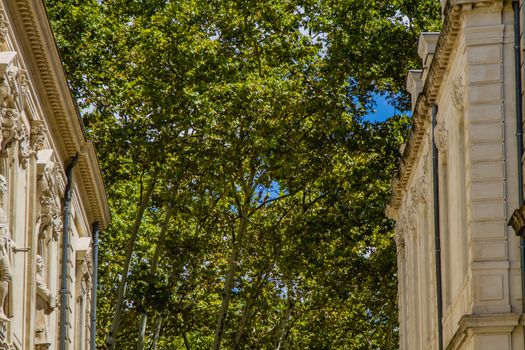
x: 142, y: 331
x: 228, y: 283
x: 246, y: 311
x: 281, y: 340
x: 158, y: 327
x: 111, y: 339
x: 153, y: 272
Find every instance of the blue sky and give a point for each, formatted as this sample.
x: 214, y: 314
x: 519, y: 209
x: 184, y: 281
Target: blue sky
x: 382, y: 110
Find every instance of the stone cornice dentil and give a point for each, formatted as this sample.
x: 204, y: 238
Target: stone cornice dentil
x: 421, y: 123
x: 28, y: 20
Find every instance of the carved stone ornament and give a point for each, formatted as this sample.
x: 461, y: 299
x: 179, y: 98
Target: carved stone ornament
x: 50, y: 218
x: 441, y: 137
x: 23, y: 82
x: 412, y: 220
x: 420, y: 190
x: 517, y: 221
x: 9, y: 117
x: 400, y: 237
x: 45, y: 304
x: 456, y: 94
x: 4, y: 31
x: 89, y: 259
x: 400, y: 245
x: 6, y: 245
x: 38, y: 136
x: 24, y: 150
x: 12, y: 81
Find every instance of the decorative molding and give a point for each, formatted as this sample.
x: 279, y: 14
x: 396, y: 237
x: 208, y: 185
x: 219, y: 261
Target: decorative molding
x: 441, y: 137
x: 421, y: 116
x: 37, y: 137
x: 412, y: 222
x: 9, y: 119
x: 50, y: 218
x: 24, y: 151
x: 58, y: 103
x: 4, y: 30
x: 457, y: 93
x: 400, y: 238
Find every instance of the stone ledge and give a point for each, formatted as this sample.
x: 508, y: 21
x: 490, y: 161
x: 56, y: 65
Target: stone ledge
x: 484, y: 324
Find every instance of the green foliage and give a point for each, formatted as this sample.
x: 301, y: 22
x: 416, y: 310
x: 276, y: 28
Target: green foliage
x: 248, y: 114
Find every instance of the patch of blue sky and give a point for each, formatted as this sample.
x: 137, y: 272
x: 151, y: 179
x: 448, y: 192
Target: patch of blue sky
x: 382, y: 109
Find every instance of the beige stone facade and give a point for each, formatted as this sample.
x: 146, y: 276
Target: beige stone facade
x: 40, y: 133
x: 469, y: 76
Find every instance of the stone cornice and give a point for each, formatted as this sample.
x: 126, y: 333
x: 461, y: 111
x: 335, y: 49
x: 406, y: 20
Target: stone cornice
x: 492, y: 323
x: 36, y: 40
x: 421, y: 116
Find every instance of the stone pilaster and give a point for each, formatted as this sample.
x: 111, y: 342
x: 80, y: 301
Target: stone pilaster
x: 486, y: 159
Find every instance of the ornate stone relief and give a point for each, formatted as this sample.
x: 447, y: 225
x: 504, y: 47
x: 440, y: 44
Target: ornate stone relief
x: 24, y: 151
x: 400, y: 238
x: 441, y: 137
x: 37, y: 137
x: 4, y: 31
x: 50, y: 221
x: 412, y: 221
x: 9, y: 119
x: 45, y: 304
x: 456, y: 94
x: 6, y: 246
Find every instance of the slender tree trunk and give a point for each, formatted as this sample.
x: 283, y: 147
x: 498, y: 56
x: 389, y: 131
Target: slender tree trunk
x: 281, y: 340
x: 153, y: 271
x: 158, y: 327
x: 115, y: 324
x: 247, y: 309
x: 142, y: 331
x: 228, y: 283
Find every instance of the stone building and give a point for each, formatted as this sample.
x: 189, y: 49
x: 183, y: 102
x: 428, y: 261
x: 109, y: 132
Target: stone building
x: 459, y: 184
x: 51, y: 192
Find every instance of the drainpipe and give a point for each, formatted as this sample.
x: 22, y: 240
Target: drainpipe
x: 519, y: 135
x: 93, y: 340
x: 65, y: 252
x: 437, y: 232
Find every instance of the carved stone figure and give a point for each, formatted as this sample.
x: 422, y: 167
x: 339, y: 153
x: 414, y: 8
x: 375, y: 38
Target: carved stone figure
x: 5, y: 247
x: 23, y: 146
x: 5, y: 268
x: 37, y: 135
x: 45, y: 304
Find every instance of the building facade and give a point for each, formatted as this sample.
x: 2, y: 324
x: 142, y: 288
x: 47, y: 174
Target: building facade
x: 457, y: 186
x: 51, y: 191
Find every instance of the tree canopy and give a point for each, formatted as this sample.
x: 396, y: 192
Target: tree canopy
x: 247, y: 188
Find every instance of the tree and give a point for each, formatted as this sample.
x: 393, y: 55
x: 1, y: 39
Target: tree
x: 247, y: 117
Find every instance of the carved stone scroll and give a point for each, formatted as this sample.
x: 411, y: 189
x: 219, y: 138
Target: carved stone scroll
x: 456, y: 93
x: 441, y: 137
